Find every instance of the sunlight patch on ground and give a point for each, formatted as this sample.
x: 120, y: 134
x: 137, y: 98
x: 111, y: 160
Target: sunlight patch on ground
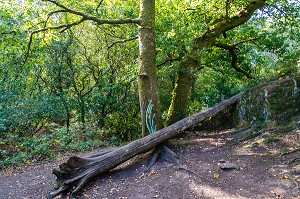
x: 244, y: 151
x: 212, y: 192
x: 292, y: 139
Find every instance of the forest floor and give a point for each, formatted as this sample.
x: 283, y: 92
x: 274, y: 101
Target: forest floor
x: 258, y: 171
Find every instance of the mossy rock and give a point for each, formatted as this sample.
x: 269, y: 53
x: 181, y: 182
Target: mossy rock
x: 272, y: 105
x: 277, y: 101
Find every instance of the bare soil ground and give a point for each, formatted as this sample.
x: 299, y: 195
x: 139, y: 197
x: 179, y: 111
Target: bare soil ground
x: 259, y: 172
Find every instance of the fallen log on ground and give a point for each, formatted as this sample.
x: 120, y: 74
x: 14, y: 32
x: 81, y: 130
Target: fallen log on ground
x: 73, y: 175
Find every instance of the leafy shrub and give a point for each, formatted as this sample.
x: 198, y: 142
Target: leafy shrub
x: 24, y: 116
x: 16, y: 150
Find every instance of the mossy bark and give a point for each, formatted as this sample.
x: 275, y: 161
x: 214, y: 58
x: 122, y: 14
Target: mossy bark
x: 147, y: 80
x: 185, y: 74
x: 180, y: 95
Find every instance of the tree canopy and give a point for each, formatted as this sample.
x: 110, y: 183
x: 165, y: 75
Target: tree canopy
x: 71, y: 68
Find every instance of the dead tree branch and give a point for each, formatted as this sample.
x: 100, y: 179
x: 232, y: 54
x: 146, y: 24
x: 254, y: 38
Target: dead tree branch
x: 73, y: 175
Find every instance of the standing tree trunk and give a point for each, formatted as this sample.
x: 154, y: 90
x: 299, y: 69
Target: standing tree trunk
x: 82, y: 110
x: 147, y: 80
x: 147, y: 83
x: 185, y: 75
x: 66, y: 106
x: 184, y: 82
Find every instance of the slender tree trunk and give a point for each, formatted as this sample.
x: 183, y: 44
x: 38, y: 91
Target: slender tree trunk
x: 67, y: 109
x: 147, y: 80
x: 64, y: 101
x: 82, y: 112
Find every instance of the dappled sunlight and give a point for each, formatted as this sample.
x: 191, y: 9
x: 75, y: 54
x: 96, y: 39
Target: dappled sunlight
x: 293, y: 139
x: 149, y: 99
x: 256, y: 151
x: 212, y: 192
x: 247, y: 150
x: 209, y: 140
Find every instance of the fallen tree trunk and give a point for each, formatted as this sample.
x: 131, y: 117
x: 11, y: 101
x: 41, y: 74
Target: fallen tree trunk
x: 76, y: 172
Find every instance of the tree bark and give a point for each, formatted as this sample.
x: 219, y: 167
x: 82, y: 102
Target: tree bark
x: 147, y: 80
x: 180, y: 94
x: 76, y: 172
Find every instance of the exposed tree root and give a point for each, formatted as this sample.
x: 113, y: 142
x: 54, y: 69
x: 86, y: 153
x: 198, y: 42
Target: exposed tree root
x: 164, y: 153
x: 290, y: 152
x: 74, y: 174
x: 294, y: 160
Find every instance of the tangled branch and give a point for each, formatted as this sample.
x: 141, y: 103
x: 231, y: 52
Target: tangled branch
x: 84, y: 17
x: 232, y: 52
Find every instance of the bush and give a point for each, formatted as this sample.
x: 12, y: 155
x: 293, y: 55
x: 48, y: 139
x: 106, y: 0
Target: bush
x: 47, y: 146
x: 24, y: 116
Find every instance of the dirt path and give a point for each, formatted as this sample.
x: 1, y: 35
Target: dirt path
x: 258, y: 174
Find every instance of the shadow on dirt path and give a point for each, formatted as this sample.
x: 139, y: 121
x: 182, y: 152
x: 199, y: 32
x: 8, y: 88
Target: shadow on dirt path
x: 249, y: 171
